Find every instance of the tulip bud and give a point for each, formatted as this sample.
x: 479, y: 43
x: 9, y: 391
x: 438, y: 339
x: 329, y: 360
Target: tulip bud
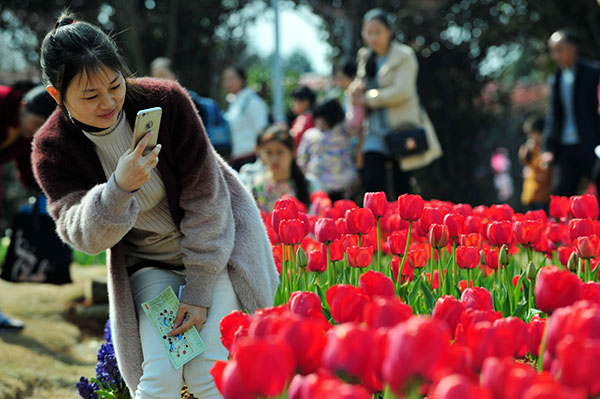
x: 573, y: 262
x: 301, y: 258
x: 504, y: 256
x: 531, y: 270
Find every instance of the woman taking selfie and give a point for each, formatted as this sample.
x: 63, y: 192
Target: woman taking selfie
x: 386, y: 83
x: 174, y: 216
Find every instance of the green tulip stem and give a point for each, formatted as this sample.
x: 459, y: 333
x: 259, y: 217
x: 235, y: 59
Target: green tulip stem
x: 540, y: 362
x: 404, y: 256
x: 454, y: 279
x: 284, y: 273
x: 440, y: 273
x: 468, y: 278
x: 431, y: 260
x: 588, y: 270
x: 531, y: 287
x: 329, y: 267
x: 379, y: 268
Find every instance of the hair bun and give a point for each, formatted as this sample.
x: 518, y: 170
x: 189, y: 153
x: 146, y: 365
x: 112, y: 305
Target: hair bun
x: 64, y: 20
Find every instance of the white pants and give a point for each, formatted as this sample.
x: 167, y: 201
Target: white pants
x: 159, y: 379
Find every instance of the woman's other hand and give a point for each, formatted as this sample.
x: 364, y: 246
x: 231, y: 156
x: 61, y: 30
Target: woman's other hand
x: 196, y: 316
x: 134, y: 168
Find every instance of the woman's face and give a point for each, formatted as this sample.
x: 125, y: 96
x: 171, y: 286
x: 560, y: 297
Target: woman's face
x: 377, y: 36
x: 97, y: 99
x: 232, y: 81
x: 277, y: 157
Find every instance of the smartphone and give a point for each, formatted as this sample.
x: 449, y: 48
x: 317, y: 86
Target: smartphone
x: 146, y: 120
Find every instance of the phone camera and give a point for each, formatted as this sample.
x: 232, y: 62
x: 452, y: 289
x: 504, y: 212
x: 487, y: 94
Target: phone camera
x: 149, y: 125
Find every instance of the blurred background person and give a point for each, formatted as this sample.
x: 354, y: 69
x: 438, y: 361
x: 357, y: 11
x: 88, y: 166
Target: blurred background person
x: 280, y: 174
x: 537, y: 178
x: 324, y: 151
x: 572, y: 124
x: 387, y: 84
x: 303, y: 101
x: 21, y: 115
x: 247, y: 115
x: 214, y: 121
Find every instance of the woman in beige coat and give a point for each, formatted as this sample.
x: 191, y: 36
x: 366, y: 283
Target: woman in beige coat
x: 387, y: 85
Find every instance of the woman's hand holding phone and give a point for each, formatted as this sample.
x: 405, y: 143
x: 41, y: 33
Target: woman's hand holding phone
x: 134, y: 168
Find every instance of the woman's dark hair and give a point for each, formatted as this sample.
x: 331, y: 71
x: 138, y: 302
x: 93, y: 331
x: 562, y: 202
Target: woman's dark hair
x: 331, y: 111
x: 534, y: 124
x: 280, y: 134
x: 305, y: 93
x: 239, y: 71
x: 570, y: 36
x: 376, y: 14
x: 73, y: 47
x: 347, y: 67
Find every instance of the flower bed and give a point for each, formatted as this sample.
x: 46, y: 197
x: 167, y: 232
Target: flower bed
x: 423, y: 299
x: 469, y: 316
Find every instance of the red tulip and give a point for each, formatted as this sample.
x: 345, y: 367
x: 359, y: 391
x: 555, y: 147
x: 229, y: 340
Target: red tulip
x: 307, y: 340
x: 558, y: 233
x: 317, y: 261
x: 500, y: 233
x: 506, y: 378
x: 591, y: 292
x: 429, y: 216
x: 326, y: 230
x: 340, y: 223
x: 359, y: 256
x: 535, y: 330
x: 528, y: 232
x: 291, y: 231
x: 564, y: 253
x: 584, y: 206
x: 580, y: 227
x: 415, y: 348
x: 376, y: 284
x: 308, y: 305
x: 348, y: 240
x: 407, y: 271
x: 470, y: 240
x: 463, y: 209
x: 512, y: 334
x: 410, y: 206
x: 501, y: 212
x: 559, y: 207
x: 391, y: 222
x: 473, y: 224
x: 230, y: 324
x: 324, y: 386
x: 254, y: 358
x: 281, y: 214
x: 545, y: 387
x: 577, y: 362
x: 482, y: 341
x: 336, y: 251
x: 588, y: 246
x: 417, y: 258
x: 491, y: 257
x: 477, y: 298
x: 471, y: 317
x: 346, y: 302
x: 386, y: 312
x: 455, y: 224
x: 359, y: 220
x: 555, y: 288
x: 343, y: 205
x: 438, y: 235
x: 376, y: 202
x: 349, y: 351
x: 538, y: 214
x: 449, y: 310
x: 467, y: 257
x: 397, y: 242
x: 458, y: 386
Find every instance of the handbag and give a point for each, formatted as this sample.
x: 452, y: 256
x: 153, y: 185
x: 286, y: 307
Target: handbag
x: 35, y: 252
x: 406, y: 142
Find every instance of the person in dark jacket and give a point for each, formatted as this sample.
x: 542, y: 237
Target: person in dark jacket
x: 572, y: 123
